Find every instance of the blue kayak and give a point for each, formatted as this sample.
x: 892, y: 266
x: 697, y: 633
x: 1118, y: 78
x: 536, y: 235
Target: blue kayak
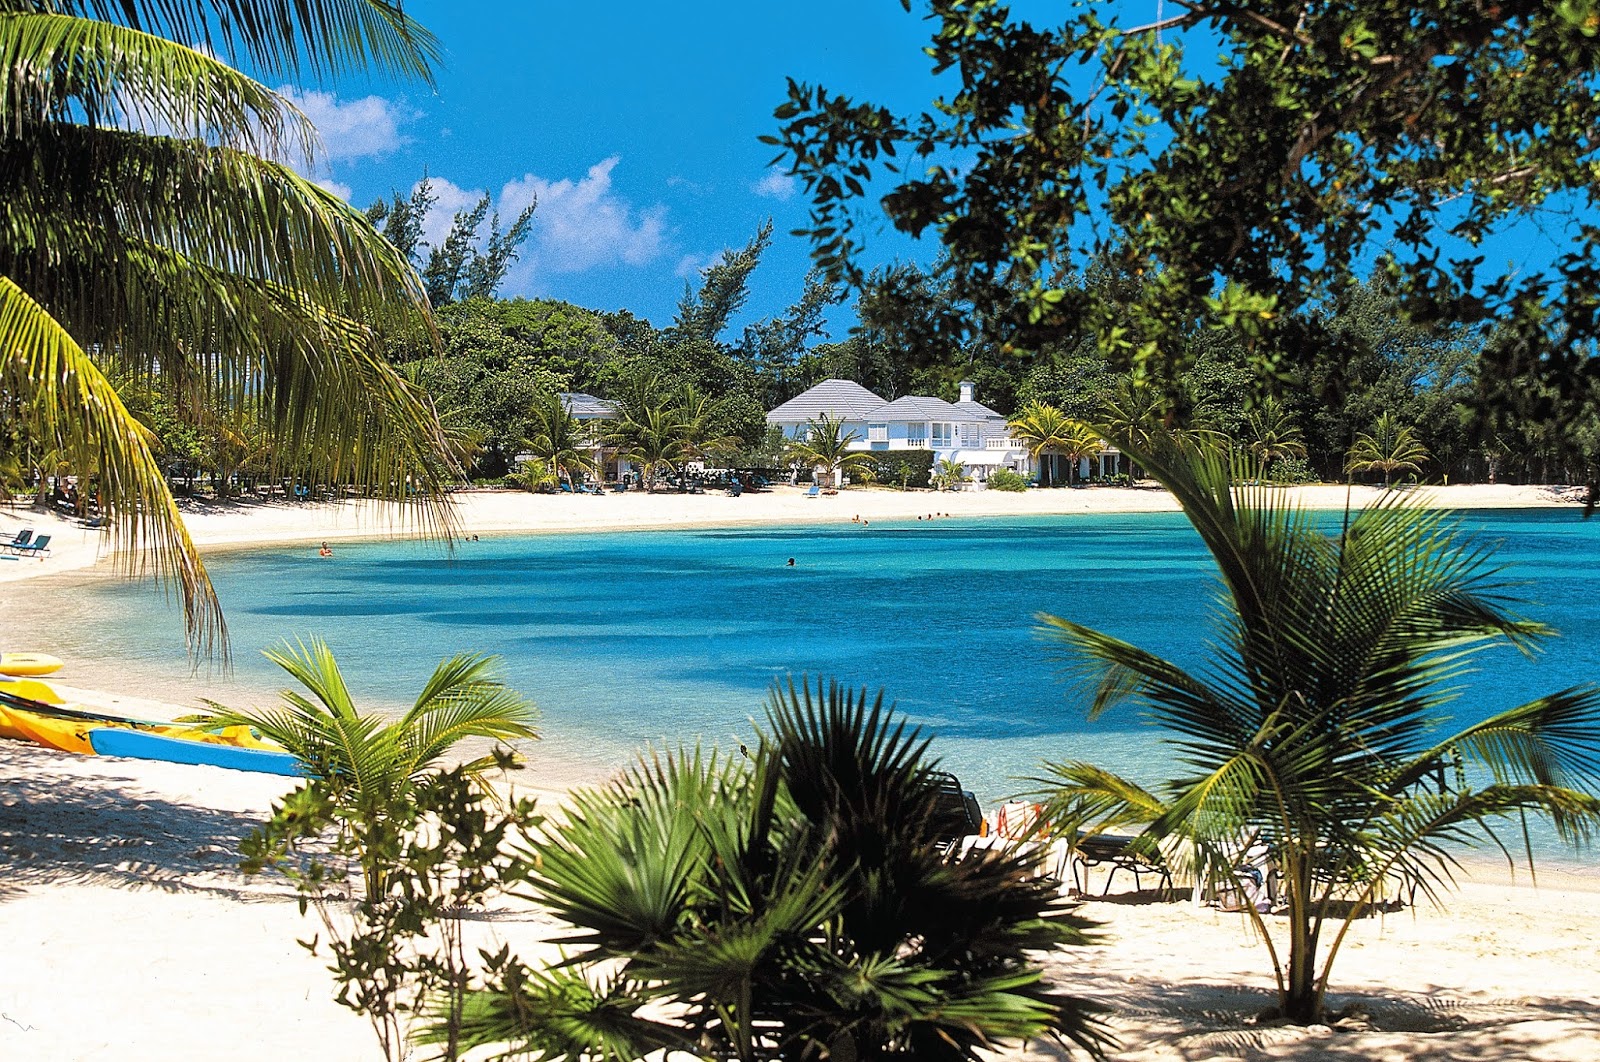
x: 120, y: 741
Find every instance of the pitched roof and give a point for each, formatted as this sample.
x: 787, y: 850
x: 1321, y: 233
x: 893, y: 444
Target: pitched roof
x: 588, y: 407
x: 978, y: 411
x: 844, y: 399
x: 918, y: 407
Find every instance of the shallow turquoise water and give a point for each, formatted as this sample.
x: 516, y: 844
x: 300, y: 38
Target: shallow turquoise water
x: 631, y: 638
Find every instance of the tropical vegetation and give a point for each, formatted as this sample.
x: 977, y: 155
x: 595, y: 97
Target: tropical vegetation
x: 1389, y: 448
x: 180, y: 252
x: 828, y: 448
x: 795, y: 902
x: 1314, y: 729
x: 371, y: 766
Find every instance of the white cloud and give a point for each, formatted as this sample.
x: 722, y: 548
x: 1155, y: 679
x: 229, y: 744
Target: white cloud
x: 338, y: 188
x: 582, y: 224
x: 366, y: 128
x: 692, y: 265
x: 775, y: 185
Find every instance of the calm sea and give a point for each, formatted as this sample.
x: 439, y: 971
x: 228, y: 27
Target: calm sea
x: 632, y: 638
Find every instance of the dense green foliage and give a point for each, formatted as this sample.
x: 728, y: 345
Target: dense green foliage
x: 1314, y: 727
x: 147, y: 235
x: 795, y: 903
x: 1244, y: 165
x: 906, y: 469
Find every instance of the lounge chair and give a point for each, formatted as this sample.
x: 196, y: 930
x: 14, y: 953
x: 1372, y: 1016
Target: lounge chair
x: 39, y: 547
x: 23, y: 538
x: 814, y: 491
x: 1120, y: 852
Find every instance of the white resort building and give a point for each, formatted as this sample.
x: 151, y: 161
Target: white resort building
x: 966, y: 431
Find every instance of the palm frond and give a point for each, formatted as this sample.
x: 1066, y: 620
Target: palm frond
x: 69, y: 402
x: 324, y: 39
x: 56, y: 67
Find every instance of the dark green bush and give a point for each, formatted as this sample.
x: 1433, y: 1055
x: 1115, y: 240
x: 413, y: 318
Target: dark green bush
x: 1005, y: 479
x: 1291, y: 470
x: 903, y: 468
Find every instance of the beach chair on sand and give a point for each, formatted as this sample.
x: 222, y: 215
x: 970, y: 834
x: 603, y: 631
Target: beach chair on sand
x: 814, y: 491
x: 39, y: 547
x: 956, y: 811
x: 23, y: 538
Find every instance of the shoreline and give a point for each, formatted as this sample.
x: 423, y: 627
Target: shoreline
x: 226, y: 526
x: 120, y: 881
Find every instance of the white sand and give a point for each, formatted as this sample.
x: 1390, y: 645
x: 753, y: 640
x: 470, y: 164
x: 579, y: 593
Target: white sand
x: 131, y: 936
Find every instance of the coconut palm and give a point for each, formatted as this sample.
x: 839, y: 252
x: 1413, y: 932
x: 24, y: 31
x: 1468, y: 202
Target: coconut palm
x: 1314, y: 727
x: 372, y: 762
x: 1043, y: 429
x: 1389, y: 448
x: 650, y: 434
x: 144, y: 222
x: 695, y: 431
x: 949, y: 474
x: 830, y: 446
x: 559, y: 439
x: 1081, y: 442
x: 794, y: 904
x: 1274, y: 435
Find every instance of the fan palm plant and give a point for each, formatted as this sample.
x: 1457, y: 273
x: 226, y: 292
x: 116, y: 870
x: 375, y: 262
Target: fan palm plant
x: 144, y: 221
x: 1315, y: 727
x: 695, y: 428
x: 559, y: 438
x: 371, y: 763
x: 795, y: 904
x: 1389, y: 448
x: 830, y: 446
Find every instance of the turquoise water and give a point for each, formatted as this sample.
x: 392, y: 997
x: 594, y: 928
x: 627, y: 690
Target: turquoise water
x: 626, y: 639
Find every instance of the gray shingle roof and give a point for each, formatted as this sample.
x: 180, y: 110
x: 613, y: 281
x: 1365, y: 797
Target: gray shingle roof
x: 588, y: 407
x: 978, y: 411
x: 918, y: 407
x: 844, y: 399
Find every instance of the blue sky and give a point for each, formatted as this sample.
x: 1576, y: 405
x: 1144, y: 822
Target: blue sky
x: 634, y: 124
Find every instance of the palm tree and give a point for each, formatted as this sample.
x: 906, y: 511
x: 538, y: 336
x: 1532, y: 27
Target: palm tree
x: 792, y: 904
x: 695, y: 431
x: 949, y: 474
x: 559, y: 438
x: 178, y: 251
x: 372, y: 763
x: 650, y: 435
x: 829, y: 445
x: 1390, y: 447
x: 1274, y: 435
x: 1081, y: 441
x: 1314, y: 726
x: 1043, y: 429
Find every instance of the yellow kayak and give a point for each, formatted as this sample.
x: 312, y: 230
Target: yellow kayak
x: 54, y: 725
x: 28, y: 664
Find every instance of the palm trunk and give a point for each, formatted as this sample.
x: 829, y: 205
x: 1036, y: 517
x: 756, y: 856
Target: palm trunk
x: 1302, y: 1003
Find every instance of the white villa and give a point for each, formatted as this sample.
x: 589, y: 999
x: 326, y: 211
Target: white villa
x: 966, y: 431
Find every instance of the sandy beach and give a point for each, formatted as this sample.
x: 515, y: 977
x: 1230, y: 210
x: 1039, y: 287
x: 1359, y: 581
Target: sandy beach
x: 131, y: 935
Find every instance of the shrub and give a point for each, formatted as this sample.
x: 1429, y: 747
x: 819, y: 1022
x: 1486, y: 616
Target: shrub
x: 903, y: 468
x: 1006, y: 479
x: 1291, y: 470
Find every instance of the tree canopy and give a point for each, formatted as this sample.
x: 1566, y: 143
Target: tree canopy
x: 1249, y: 163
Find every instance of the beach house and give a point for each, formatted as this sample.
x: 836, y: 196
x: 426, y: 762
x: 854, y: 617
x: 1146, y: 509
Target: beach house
x: 966, y: 431
x: 593, y: 414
